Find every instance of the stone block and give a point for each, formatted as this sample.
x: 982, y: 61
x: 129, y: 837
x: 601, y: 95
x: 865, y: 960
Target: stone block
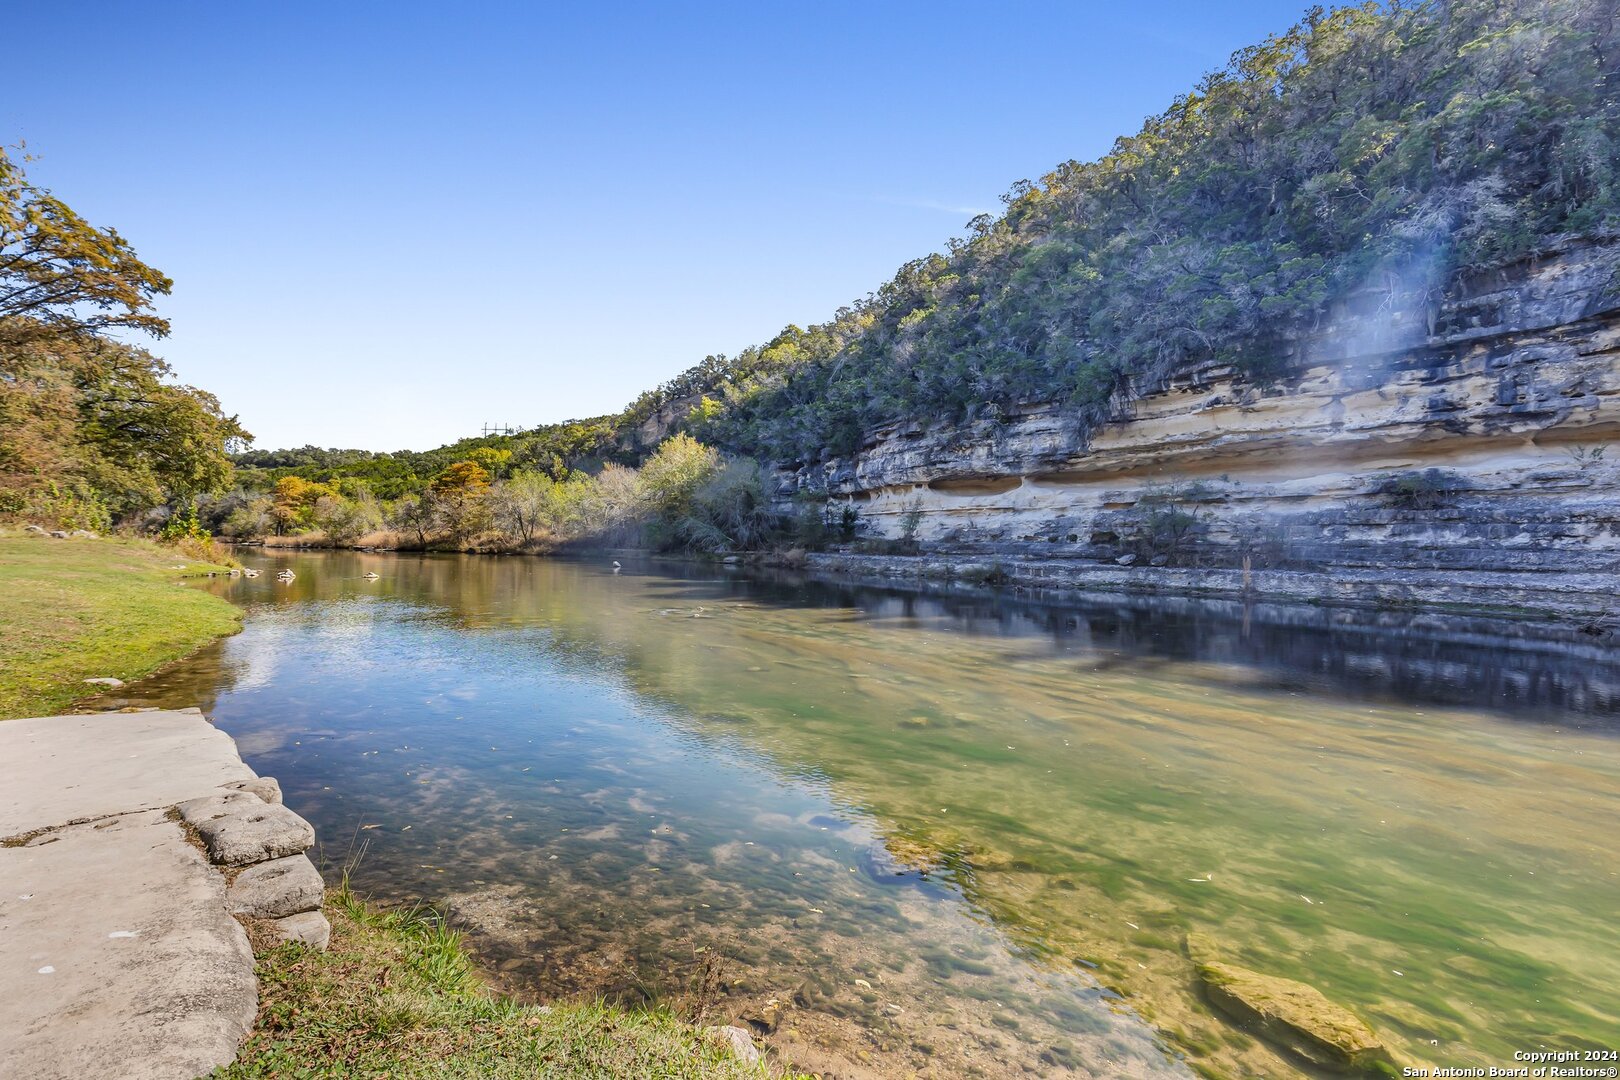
x: 276, y: 889
x: 240, y: 829
x: 308, y: 928
x: 265, y: 787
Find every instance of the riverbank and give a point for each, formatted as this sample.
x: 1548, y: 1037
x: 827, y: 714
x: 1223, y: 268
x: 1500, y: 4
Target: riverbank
x: 91, y: 608
x: 396, y: 995
x: 152, y: 867
x: 1579, y: 599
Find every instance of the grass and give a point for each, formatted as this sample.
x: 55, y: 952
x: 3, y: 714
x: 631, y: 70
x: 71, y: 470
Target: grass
x: 396, y: 996
x: 77, y: 609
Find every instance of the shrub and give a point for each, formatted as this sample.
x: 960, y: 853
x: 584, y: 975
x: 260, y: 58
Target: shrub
x: 183, y: 527
x: 1166, y: 523
x: 1423, y: 489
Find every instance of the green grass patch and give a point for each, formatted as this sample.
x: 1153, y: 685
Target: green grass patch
x: 396, y: 995
x: 79, y: 609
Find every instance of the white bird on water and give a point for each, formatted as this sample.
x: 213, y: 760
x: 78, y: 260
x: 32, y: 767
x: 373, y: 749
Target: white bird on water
x: 616, y: 566
x: 372, y: 577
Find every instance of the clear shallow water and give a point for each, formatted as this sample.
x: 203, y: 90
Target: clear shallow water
x: 947, y: 836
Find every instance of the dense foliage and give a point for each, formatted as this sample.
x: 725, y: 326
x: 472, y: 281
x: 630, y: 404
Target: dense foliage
x: 555, y: 449
x: 1394, y: 146
x: 684, y: 495
x: 90, y: 428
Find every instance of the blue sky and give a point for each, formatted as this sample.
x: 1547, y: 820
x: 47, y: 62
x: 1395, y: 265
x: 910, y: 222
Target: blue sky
x: 390, y: 223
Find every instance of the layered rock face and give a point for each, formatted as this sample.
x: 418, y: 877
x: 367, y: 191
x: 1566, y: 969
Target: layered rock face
x: 1463, y: 443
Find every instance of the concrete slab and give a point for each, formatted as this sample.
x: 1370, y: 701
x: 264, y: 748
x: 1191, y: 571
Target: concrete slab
x: 118, y: 956
x: 60, y: 769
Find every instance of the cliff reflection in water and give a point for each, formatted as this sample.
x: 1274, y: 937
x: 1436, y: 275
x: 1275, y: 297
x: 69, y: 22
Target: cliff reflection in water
x: 1533, y: 670
x: 920, y: 824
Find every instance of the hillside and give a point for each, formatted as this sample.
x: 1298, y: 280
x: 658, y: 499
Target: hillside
x: 1389, y: 149
x: 1373, y: 149
x: 1350, y: 304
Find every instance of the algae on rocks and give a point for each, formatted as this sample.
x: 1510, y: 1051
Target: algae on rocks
x: 1292, y: 1015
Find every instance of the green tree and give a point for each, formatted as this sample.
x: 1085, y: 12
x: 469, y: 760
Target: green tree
x: 344, y: 519
x: 460, y: 492
x: 91, y: 428
x: 103, y: 419
x: 492, y: 460
x: 531, y: 506
x: 673, y: 474
x: 60, y: 276
x: 730, y: 511
x: 294, y: 501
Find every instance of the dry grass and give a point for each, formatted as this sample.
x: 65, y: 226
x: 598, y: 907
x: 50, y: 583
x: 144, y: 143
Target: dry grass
x: 300, y: 540
x: 383, y: 539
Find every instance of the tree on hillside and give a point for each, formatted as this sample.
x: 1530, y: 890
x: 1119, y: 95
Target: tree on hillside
x: 674, y: 473
x: 493, y: 460
x: 459, y: 492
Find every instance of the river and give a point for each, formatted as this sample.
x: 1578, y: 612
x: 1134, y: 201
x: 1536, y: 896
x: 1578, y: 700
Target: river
x: 958, y: 835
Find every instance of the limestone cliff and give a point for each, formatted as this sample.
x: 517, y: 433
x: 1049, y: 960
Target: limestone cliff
x: 1457, y: 451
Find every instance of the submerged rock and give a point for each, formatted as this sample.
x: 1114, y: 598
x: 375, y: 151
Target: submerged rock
x: 896, y: 858
x: 741, y: 1043
x: 765, y: 1018
x: 1292, y: 1015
